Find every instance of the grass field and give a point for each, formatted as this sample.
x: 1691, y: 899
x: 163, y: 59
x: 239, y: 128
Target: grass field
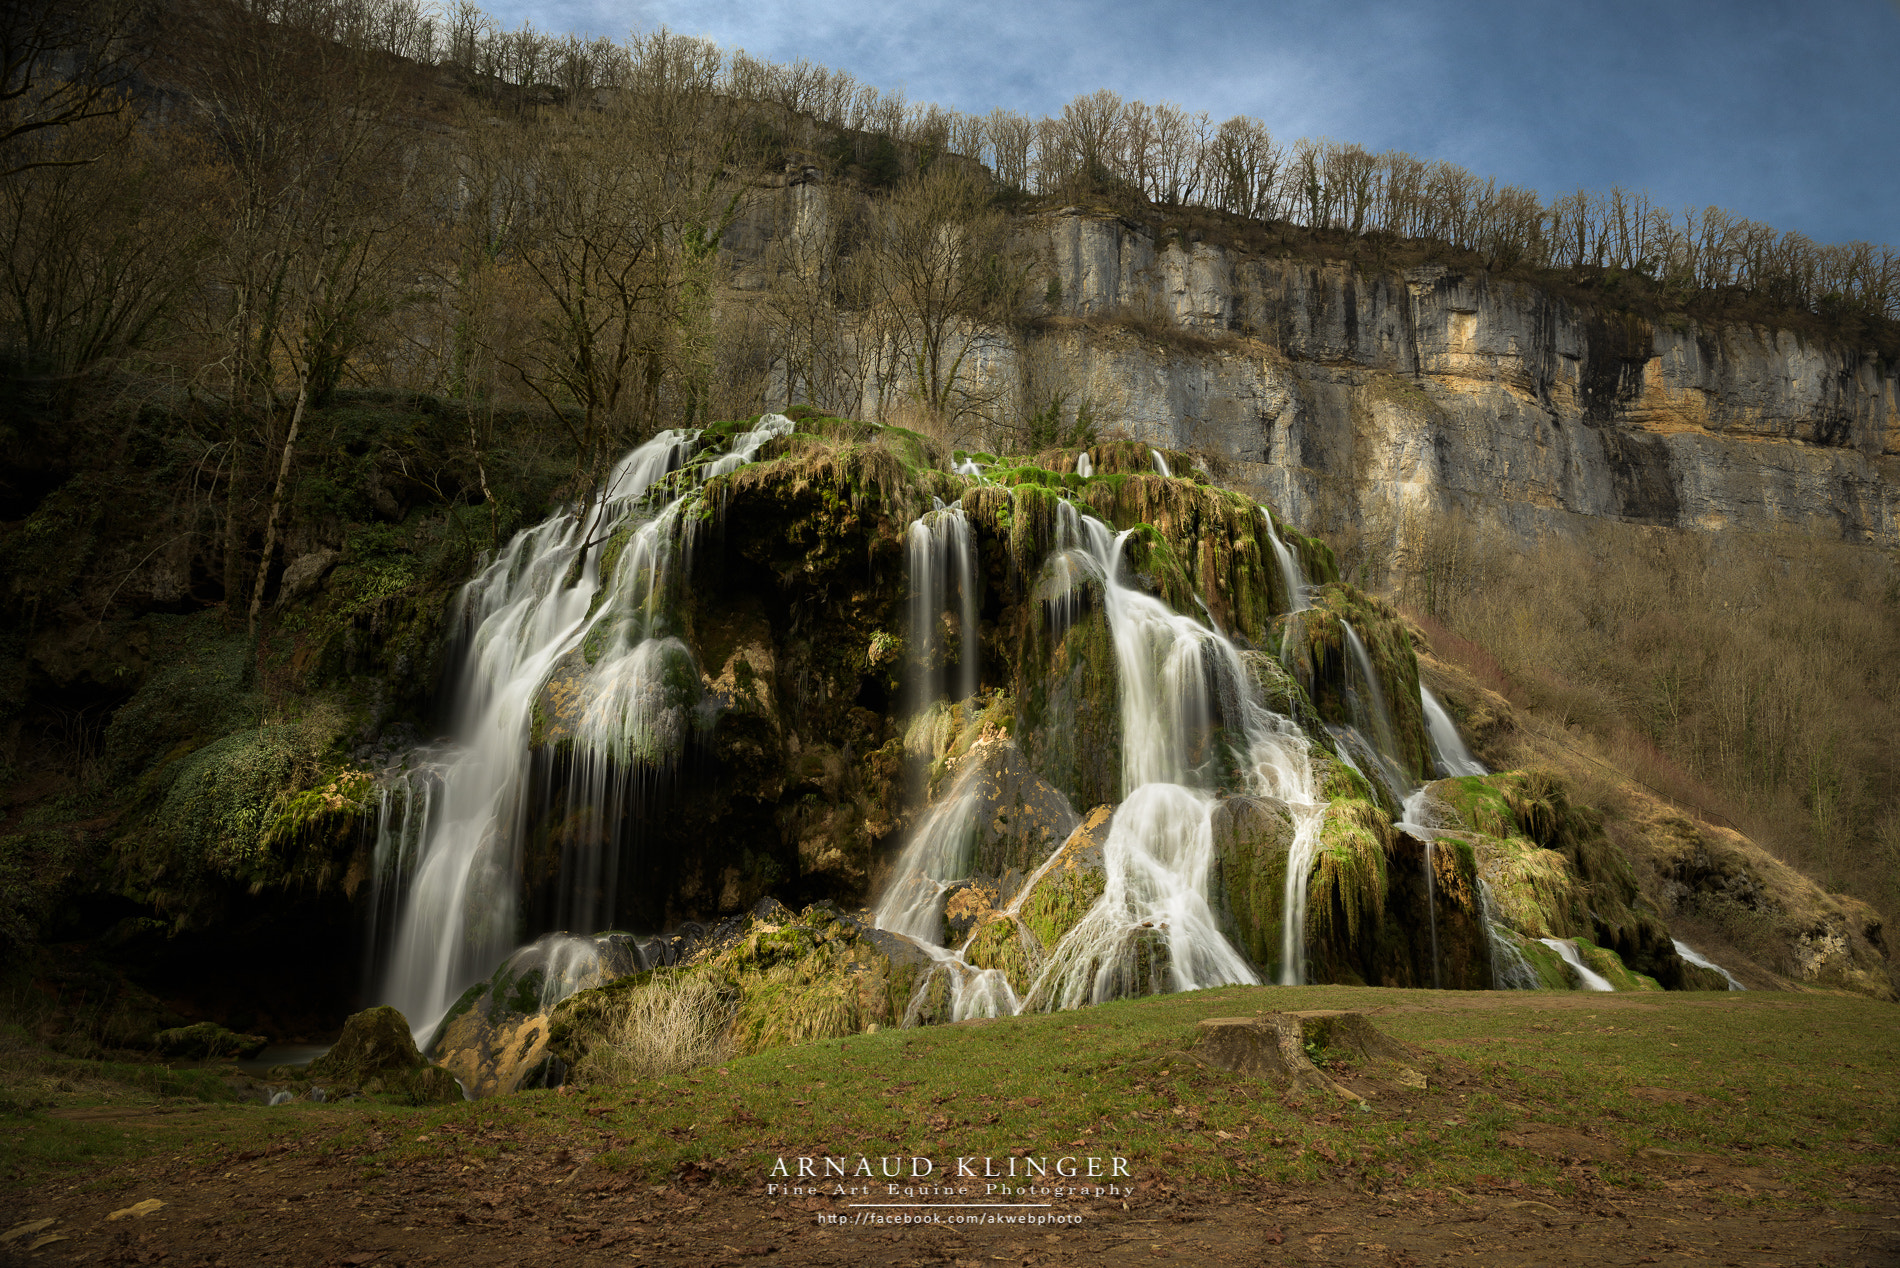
x: 1548, y: 1090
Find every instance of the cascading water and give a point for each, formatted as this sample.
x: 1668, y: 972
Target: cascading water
x: 1511, y: 969
x: 937, y: 855
x: 941, y: 555
x: 449, y: 848
x: 1447, y: 747
x: 1161, y: 464
x: 1591, y: 979
x: 1290, y: 572
x: 1371, y: 732
x: 1177, y: 680
x: 1696, y: 958
x: 1083, y: 467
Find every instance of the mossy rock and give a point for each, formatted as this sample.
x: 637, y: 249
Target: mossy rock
x: 495, y: 1038
x: 1549, y: 968
x: 1608, y: 963
x: 1252, y: 837
x: 1070, y: 885
x: 796, y: 978
x: 1314, y: 646
x: 999, y: 944
x: 206, y: 1040
x: 1345, y: 892
x: 376, y: 1045
x: 1595, y: 894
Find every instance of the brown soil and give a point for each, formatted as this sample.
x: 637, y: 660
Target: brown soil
x: 299, y: 1204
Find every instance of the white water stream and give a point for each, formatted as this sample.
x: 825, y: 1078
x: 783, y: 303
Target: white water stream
x: 1178, y: 679
x: 1695, y: 957
x: 1453, y: 757
x: 449, y: 850
x: 942, y: 563
x: 1290, y: 573
x: 1591, y: 979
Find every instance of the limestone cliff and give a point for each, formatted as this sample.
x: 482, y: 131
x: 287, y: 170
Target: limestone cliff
x: 1342, y: 393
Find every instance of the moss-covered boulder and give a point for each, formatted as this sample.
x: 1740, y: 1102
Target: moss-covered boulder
x: 1551, y: 870
x: 798, y: 977
x: 1002, y: 943
x: 208, y: 1041
x: 1383, y: 708
x: 1608, y: 964
x: 1252, y: 837
x: 376, y: 1053
x: 1071, y: 883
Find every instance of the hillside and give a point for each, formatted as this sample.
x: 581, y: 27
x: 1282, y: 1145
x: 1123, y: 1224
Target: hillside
x: 408, y: 562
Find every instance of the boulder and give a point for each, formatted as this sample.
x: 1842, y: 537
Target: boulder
x: 495, y: 1039
x: 376, y: 1048
x: 302, y: 574
x: 1062, y: 893
x: 207, y: 1041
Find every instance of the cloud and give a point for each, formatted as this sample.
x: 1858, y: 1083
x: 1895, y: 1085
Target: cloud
x: 1776, y: 113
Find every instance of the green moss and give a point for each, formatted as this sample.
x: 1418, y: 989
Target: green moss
x: 1060, y: 900
x: 998, y: 944
x: 1552, y: 973
x: 1608, y: 963
x: 253, y: 809
x: 1251, y: 841
x: 1345, y: 894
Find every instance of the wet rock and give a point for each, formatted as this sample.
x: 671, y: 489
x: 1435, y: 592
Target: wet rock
x: 495, y: 1038
x: 1252, y: 836
x: 1066, y: 889
x: 376, y: 1044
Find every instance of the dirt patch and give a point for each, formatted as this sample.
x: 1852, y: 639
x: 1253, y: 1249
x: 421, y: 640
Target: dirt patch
x: 300, y: 1208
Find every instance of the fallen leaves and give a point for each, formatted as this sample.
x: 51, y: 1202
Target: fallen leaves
x: 22, y: 1230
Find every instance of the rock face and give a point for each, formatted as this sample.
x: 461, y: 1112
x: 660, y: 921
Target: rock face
x: 495, y: 1039
x: 1342, y: 395
x: 376, y: 1054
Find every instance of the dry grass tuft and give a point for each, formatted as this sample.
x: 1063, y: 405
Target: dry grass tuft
x: 668, y: 1026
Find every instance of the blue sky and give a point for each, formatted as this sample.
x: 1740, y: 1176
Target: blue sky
x: 1780, y: 112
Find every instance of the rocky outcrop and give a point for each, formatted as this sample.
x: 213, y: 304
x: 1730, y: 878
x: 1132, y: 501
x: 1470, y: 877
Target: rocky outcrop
x: 1343, y: 394
x: 375, y: 1054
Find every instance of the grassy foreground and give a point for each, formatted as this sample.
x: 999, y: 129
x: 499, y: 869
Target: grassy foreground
x: 1765, y: 1096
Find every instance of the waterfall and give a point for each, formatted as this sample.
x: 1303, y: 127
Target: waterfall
x: 1413, y: 821
x: 1511, y: 969
x: 1696, y: 958
x: 1591, y: 979
x: 941, y: 555
x: 1181, y: 684
x: 1289, y: 566
x: 746, y: 446
x: 1083, y: 467
x: 1452, y: 756
x: 1161, y: 464
x: 967, y: 466
x: 1371, y: 729
x: 448, y: 885
x: 938, y: 854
